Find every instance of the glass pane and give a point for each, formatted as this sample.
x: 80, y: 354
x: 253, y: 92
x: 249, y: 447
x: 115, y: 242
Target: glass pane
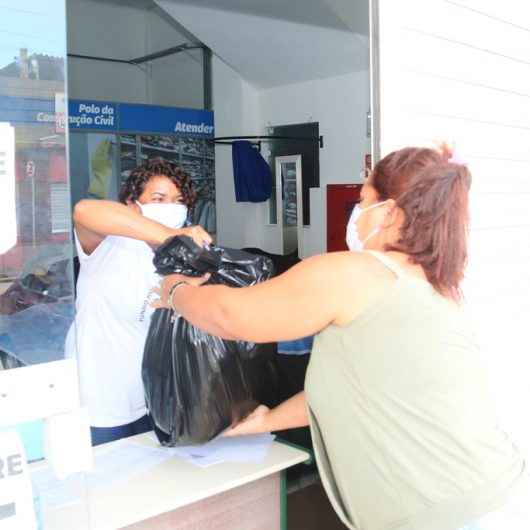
x: 204, y: 210
x: 192, y: 166
x: 209, y: 168
x: 160, y: 146
x: 36, y: 275
x: 273, y: 209
x: 289, y: 194
x: 94, y: 162
x: 193, y: 147
x: 127, y: 154
x: 273, y: 212
x: 36, y: 268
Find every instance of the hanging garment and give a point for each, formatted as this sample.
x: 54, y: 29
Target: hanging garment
x: 252, y: 174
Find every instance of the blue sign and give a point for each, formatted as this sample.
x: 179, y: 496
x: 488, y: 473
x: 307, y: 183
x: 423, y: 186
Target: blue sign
x: 27, y: 110
x: 111, y: 117
x: 96, y: 115
x: 133, y: 118
x: 154, y: 119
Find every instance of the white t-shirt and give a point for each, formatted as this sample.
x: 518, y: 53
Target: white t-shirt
x: 110, y: 328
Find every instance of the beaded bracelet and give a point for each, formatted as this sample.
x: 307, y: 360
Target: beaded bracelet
x: 171, y: 292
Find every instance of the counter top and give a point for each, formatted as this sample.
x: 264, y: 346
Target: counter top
x: 171, y: 484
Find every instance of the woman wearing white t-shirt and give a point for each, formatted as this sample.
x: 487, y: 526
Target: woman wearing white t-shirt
x: 114, y: 243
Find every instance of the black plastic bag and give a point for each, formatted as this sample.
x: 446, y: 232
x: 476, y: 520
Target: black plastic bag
x: 197, y: 385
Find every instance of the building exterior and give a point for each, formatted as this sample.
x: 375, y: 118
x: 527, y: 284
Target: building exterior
x: 32, y: 100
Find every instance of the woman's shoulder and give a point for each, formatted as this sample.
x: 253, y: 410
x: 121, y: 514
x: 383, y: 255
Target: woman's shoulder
x: 349, y: 258
x: 350, y: 261
x: 348, y: 269
x: 355, y: 280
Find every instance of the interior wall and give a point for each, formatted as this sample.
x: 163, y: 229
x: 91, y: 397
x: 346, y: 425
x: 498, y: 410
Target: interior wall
x: 175, y: 80
x: 236, y: 106
x: 94, y: 28
x: 339, y: 104
x: 187, y: 91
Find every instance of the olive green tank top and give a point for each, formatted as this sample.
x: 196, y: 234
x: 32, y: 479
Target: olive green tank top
x: 403, y: 428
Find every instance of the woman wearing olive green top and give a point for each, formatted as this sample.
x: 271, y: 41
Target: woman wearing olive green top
x: 396, y: 397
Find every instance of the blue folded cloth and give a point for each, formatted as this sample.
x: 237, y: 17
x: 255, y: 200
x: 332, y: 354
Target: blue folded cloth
x: 301, y: 346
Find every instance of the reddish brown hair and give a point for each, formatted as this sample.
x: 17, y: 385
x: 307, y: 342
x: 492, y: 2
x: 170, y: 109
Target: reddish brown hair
x: 433, y: 194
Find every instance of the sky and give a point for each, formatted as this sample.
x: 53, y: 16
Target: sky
x: 38, y: 25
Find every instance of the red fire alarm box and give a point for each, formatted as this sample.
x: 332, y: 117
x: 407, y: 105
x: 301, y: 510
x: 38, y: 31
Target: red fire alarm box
x: 341, y: 198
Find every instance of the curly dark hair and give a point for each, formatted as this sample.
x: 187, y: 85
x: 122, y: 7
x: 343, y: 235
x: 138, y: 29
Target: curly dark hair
x: 134, y: 186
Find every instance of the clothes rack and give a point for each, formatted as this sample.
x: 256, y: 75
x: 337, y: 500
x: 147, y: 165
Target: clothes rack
x: 257, y: 140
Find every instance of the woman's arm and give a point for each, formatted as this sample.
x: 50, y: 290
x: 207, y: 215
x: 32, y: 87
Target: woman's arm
x: 308, y: 297
x: 290, y: 414
x: 96, y: 219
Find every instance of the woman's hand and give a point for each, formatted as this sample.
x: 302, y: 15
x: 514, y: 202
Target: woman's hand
x: 169, y: 281
x: 254, y: 423
x: 196, y: 232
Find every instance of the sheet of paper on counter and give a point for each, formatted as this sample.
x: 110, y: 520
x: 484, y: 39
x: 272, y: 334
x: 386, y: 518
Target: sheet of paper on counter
x: 250, y: 448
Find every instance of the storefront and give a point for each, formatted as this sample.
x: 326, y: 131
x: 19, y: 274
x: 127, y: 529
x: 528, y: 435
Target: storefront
x: 89, y: 90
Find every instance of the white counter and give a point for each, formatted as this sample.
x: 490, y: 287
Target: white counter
x: 170, y: 486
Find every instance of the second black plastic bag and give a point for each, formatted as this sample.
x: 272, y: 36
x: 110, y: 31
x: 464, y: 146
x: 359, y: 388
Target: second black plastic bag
x: 196, y: 384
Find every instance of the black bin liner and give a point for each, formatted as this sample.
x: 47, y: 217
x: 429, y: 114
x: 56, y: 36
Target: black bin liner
x: 197, y: 385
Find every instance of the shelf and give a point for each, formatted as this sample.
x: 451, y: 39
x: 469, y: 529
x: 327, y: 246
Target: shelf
x: 163, y: 149
x: 191, y: 155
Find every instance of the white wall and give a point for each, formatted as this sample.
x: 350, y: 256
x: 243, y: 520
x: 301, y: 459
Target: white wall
x: 339, y: 104
x: 236, y: 107
x: 124, y: 32
x: 453, y: 83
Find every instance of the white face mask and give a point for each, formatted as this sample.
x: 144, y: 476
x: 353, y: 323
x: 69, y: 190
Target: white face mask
x: 352, y: 236
x: 169, y: 214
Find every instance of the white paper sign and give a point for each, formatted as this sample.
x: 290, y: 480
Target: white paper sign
x: 17, y: 510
